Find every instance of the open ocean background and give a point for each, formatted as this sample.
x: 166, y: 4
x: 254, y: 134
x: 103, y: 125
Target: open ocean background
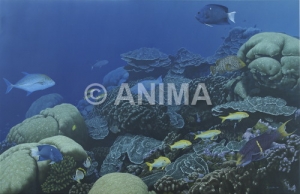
x: 63, y: 39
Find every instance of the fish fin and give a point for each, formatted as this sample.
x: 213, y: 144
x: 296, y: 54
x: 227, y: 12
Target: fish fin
x: 150, y: 166
x: 52, y: 162
x: 231, y: 16
x: 28, y: 93
x: 281, y: 130
x: 9, y: 85
x: 239, y: 120
x: 239, y: 159
x: 223, y: 119
x: 209, y: 25
x: 35, y: 152
x: 25, y: 73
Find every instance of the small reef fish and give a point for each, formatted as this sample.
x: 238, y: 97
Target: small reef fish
x: 254, y: 149
x: 47, y: 152
x: 182, y: 144
x: 210, y: 134
x: 235, y: 116
x: 31, y: 83
x: 87, y: 162
x: 227, y: 64
x: 215, y: 14
x: 79, y: 175
x: 99, y: 64
x: 160, y: 162
x: 74, y: 128
x: 147, y: 84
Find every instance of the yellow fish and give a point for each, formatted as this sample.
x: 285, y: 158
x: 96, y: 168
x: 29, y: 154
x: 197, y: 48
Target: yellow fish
x: 208, y: 134
x: 74, y: 127
x: 229, y: 63
x: 235, y: 116
x: 182, y: 144
x: 160, y: 162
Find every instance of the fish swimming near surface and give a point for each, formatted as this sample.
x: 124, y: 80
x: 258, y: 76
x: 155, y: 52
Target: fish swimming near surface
x: 79, y: 174
x: 210, y: 134
x: 160, y: 162
x: 215, y: 14
x: 147, y: 84
x: 99, y: 64
x: 87, y: 162
x: 47, y: 152
x: 31, y: 83
x: 227, y: 64
x: 254, y: 149
x: 182, y: 144
x: 235, y: 116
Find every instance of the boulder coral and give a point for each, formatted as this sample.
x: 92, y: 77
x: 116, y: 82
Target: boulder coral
x: 274, y: 60
x: 19, y: 170
x: 121, y: 183
x: 62, y: 119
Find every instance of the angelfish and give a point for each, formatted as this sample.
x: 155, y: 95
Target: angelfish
x: 47, y: 152
x: 31, y: 83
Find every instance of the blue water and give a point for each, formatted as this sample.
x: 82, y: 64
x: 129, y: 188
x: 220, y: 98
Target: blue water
x: 63, y: 39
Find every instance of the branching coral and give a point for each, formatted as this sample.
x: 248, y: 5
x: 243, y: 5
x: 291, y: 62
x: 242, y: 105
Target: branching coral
x: 60, y: 175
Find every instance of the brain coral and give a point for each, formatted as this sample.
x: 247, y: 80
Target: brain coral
x: 121, y: 183
x: 274, y: 61
x: 50, y: 122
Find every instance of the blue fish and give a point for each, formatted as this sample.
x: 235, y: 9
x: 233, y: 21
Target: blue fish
x: 31, y: 83
x: 215, y: 14
x: 147, y: 84
x: 47, y: 152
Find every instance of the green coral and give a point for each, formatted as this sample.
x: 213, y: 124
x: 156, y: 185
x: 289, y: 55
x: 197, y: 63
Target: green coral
x: 273, y: 59
x: 60, y: 175
x: 121, y: 183
x: 58, y: 120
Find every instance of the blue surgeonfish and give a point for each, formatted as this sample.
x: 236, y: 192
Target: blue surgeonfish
x: 47, y: 152
x: 215, y: 14
x: 147, y: 84
x: 254, y: 149
x: 31, y: 83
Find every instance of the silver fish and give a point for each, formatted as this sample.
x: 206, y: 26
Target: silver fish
x: 31, y: 83
x: 99, y: 64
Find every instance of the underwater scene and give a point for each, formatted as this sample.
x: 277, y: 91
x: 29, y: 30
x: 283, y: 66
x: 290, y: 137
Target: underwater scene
x: 140, y: 97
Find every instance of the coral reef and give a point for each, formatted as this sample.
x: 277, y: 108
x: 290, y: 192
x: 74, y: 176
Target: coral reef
x: 46, y: 101
x: 115, y: 77
x: 50, y: 122
x: 235, y: 39
x: 145, y: 60
x: 81, y: 188
x: 60, y: 175
x: 273, y: 58
x: 184, y: 59
x: 135, y: 148
x: 267, y: 105
x: 121, y: 183
x: 97, y: 127
x: 168, y: 184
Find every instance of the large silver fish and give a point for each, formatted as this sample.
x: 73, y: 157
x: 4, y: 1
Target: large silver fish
x: 31, y: 83
x: 99, y: 64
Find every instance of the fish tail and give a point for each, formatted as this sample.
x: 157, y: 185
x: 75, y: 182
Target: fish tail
x: 9, y: 85
x: 35, y: 153
x: 281, y: 130
x: 231, y: 16
x: 150, y: 166
x: 239, y: 159
x: 213, y: 70
x: 223, y: 119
